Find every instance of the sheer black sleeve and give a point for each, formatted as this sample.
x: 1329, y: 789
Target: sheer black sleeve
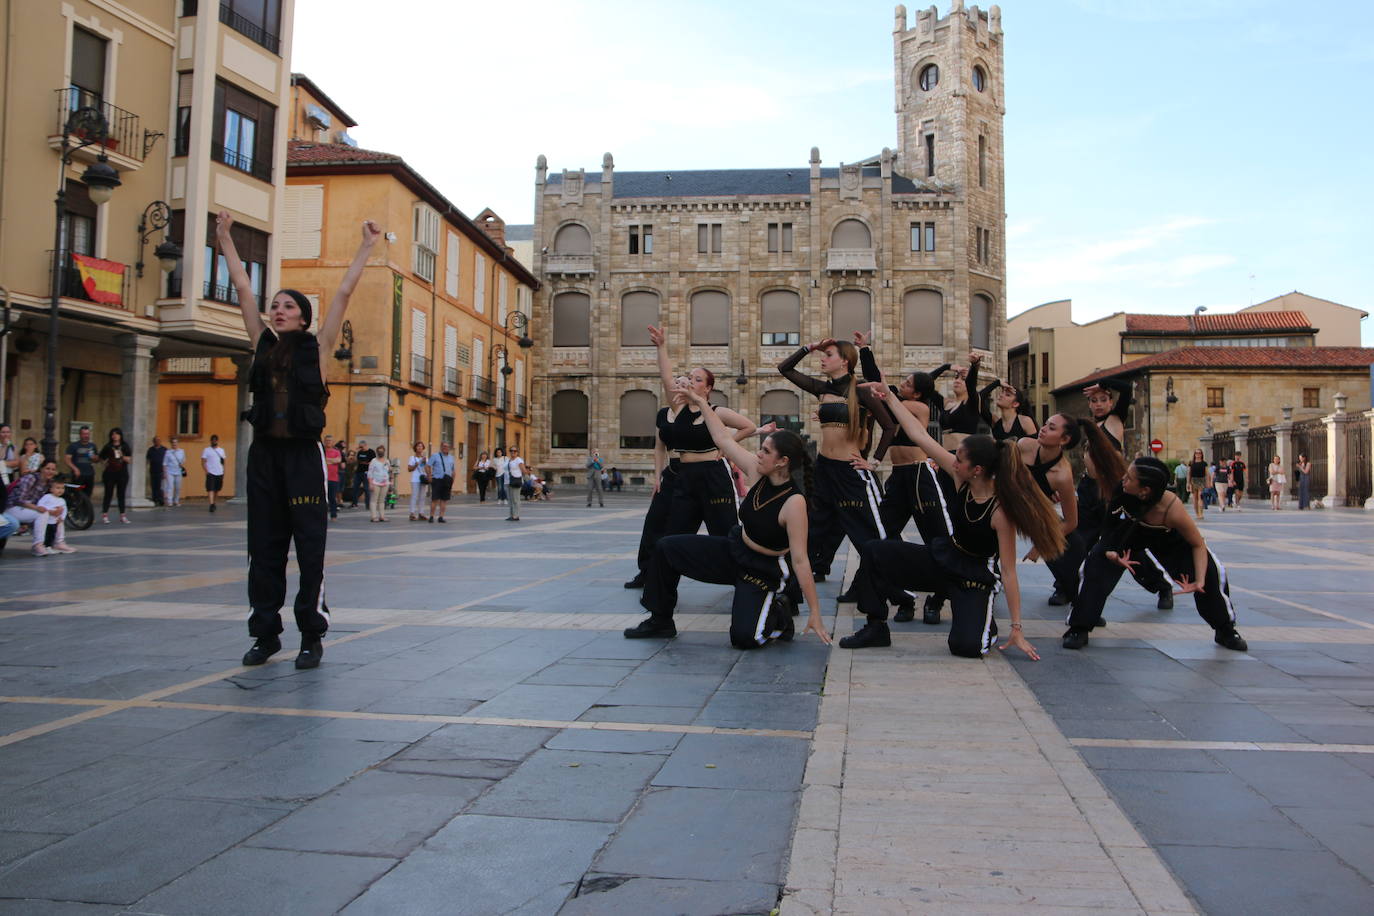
x: 1124, y: 389
x: 879, y: 412
x: 985, y: 400
x: 788, y: 368
x: 869, y: 365
x: 936, y: 373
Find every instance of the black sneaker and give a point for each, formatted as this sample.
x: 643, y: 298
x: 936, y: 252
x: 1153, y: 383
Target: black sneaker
x: 818, y: 578
x: 930, y: 613
x: 212, y: 507
x: 873, y: 634
x: 780, y: 617
x: 1058, y: 599
x: 1075, y: 638
x: 1166, y: 601
x: 1230, y: 639
x: 847, y: 597
x: 311, y: 653
x: 636, y: 582
x: 263, y: 649
x: 652, y: 628
x: 442, y: 520
x: 905, y: 613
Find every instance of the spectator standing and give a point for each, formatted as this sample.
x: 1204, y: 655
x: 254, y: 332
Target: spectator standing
x: 1238, y: 479
x: 378, y: 482
x: 156, y: 455
x: 441, y: 471
x: 362, y: 458
x: 1181, y: 479
x: 173, y: 472
x: 116, y: 458
x: 30, y: 458
x: 500, y: 465
x: 9, y: 456
x: 1276, y: 482
x: 482, y: 473
x: 81, y: 456
x: 418, y: 466
x: 594, y: 466
x: 333, y: 462
x: 212, y: 459
x: 1304, y: 482
x: 514, y: 479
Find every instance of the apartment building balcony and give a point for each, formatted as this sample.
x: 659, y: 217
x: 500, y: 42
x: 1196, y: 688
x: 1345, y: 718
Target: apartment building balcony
x: 453, y: 381
x: 106, y: 284
x: 126, y: 143
x: 420, y: 370
x: 482, y: 391
x: 248, y: 28
x: 244, y: 162
x: 851, y: 260
x: 522, y: 407
x: 569, y: 264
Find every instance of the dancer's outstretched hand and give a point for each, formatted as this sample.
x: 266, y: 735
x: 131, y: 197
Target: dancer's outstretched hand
x: 816, y: 625
x: 1186, y: 586
x: 1123, y: 560
x: 1018, y: 639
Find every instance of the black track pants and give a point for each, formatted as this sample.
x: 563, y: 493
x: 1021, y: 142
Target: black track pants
x: 287, y: 501
x: 704, y: 492
x: 1101, y: 575
x: 899, y: 504
x: 656, y: 519
x: 755, y: 616
x: 888, y: 569
x: 1067, y: 567
x: 845, y: 504
x: 1092, y: 512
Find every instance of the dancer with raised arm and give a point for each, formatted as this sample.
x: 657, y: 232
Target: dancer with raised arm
x: 1046, y: 457
x: 753, y: 556
x: 846, y: 499
x: 1148, y: 523
x: 1012, y: 420
x: 665, y: 481
x: 990, y: 498
x: 960, y: 416
x: 704, y: 491
x: 287, y: 495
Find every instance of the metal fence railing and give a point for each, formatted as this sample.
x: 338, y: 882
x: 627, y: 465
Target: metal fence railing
x: 1309, y: 438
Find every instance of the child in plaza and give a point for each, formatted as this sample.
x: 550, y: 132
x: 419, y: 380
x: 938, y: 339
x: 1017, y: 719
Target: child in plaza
x: 55, y: 504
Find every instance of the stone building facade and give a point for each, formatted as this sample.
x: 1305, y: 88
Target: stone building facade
x: 740, y: 266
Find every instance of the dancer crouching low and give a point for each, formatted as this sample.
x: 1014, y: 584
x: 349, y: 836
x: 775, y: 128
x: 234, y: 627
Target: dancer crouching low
x: 753, y: 556
x: 1149, y: 524
x: 990, y: 497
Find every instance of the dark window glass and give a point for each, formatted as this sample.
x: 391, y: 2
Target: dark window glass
x: 930, y: 236
x: 980, y: 78
x: 569, y: 426
x: 243, y: 132
x: 88, y: 68
x: 1216, y: 397
x: 930, y: 155
x: 930, y: 77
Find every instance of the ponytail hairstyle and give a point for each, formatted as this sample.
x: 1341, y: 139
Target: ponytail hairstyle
x: 1108, y: 465
x: 1022, y: 406
x: 1027, y: 508
x: 1073, y: 430
x: 850, y: 354
x: 791, y: 446
x: 923, y: 386
x: 710, y: 378
x: 1154, y: 474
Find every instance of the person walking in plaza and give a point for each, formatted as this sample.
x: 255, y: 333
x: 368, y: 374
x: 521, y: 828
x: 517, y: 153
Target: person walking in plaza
x: 514, y: 481
x: 362, y: 457
x: 418, y: 466
x: 173, y: 472
x: 1304, y: 469
x: 378, y: 483
x: 213, y: 459
x: 499, y: 464
x: 1199, y: 479
x: 1149, y: 524
x: 81, y: 458
x: 116, y: 459
x: 1221, y: 479
x: 333, y: 461
x: 1238, y: 479
x: 846, y: 498
x: 482, y: 474
x: 594, y: 466
x: 441, y: 477
x: 156, y: 454
x: 1276, y: 480
x: 285, y: 474
x: 987, y: 493
x: 753, y: 556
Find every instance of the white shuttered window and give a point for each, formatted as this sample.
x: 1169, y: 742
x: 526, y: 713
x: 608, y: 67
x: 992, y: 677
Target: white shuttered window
x: 426, y: 242
x: 418, y: 332
x: 451, y: 266
x: 479, y: 284
x: 302, y: 217
x: 501, y: 285
x: 450, y: 347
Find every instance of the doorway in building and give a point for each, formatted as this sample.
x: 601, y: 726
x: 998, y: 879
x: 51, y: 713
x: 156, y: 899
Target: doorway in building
x: 93, y: 398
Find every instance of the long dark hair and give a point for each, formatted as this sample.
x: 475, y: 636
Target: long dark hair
x: 109, y: 439
x: 1108, y: 465
x: 1027, y: 508
x: 1154, y: 474
x: 791, y: 446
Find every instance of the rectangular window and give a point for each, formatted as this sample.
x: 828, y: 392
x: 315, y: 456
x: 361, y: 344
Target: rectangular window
x: 252, y: 248
x: 1216, y: 397
x: 930, y: 236
x: 779, y: 237
x: 88, y: 69
x: 1044, y: 369
x: 187, y: 415
x: 501, y: 287
x: 479, y: 285
x: 642, y: 239
x: 182, y: 140
x: 244, y: 129
x: 302, y: 221
x: 1311, y: 397
x: 425, y: 253
x: 982, y: 161
x: 257, y: 20
x: 634, y: 240
x: 915, y: 236
x: 930, y: 155
x: 709, y: 238
x: 451, y: 266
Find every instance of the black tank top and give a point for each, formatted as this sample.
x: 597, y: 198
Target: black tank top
x: 690, y: 436
x: 1040, y: 470
x: 963, y: 418
x: 833, y: 412
x: 665, y: 428
x: 1102, y: 425
x: 1000, y: 435
x: 1197, y: 470
x: 758, y: 513
x: 971, y: 520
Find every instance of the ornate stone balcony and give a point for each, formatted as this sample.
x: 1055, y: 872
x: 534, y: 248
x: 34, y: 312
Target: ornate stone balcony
x: 568, y: 264
x: 844, y: 260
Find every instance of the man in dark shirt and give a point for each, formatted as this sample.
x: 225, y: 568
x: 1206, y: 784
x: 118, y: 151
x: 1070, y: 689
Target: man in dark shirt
x: 81, y: 459
x: 1237, y: 479
x: 156, y: 454
x: 361, y: 489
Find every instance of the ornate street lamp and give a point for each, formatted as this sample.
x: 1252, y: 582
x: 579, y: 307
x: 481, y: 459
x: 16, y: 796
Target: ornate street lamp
x: 519, y: 321
x: 155, y: 218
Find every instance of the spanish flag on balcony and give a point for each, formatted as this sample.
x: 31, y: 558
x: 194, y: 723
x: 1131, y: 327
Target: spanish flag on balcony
x: 103, y: 280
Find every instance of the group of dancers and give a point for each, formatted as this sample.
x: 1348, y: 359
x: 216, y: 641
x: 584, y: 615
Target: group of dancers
x: 970, y: 495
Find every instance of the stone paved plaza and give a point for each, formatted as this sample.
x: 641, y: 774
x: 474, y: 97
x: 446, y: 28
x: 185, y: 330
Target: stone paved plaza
x: 480, y: 739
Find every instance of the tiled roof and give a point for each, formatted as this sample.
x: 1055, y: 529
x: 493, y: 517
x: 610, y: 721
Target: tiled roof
x: 1237, y: 358
x: 304, y: 151
x: 519, y: 232
x: 1217, y: 324
x: 729, y: 182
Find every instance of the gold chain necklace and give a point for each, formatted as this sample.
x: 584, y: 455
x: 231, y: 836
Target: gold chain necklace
x: 774, y: 498
x: 987, y: 506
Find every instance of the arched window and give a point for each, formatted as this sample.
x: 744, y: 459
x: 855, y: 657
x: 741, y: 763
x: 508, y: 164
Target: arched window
x: 782, y: 408
x: 710, y: 318
x: 929, y: 77
x: 572, y: 239
x: 569, y: 410
x: 781, y: 318
x: 572, y: 320
x: 850, y: 310
x: 718, y: 398
x: 980, y: 323
x: 923, y: 314
x: 638, y: 310
x: 637, y: 411
x: 851, y: 233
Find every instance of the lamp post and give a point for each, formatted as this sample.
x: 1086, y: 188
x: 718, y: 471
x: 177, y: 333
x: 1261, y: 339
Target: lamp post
x: 155, y: 218
x: 518, y: 321
x: 100, y: 179
x: 506, y: 373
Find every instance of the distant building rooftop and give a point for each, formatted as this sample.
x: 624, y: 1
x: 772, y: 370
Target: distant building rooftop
x: 520, y: 232
x: 730, y: 182
x: 1218, y: 323
x: 1236, y: 358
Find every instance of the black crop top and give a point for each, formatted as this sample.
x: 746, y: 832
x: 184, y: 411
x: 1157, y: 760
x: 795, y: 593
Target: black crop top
x: 836, y: 412
x: 665, y: 428
x: 971, y: 520
x: 963, y: 418
x: 875, y: 408
x: 689, y: 435
x: 759, y: 510
x: 1040, y: 470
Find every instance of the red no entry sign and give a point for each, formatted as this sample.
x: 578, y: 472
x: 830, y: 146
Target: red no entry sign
x: 1156, y: 446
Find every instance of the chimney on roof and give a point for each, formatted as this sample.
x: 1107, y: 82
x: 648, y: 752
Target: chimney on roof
x: 493, y: 225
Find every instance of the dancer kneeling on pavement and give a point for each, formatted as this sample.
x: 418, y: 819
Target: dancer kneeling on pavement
x: 1148, y: 523
x: 990, y: 498
x: 753, y: 556
x: 286, y: 476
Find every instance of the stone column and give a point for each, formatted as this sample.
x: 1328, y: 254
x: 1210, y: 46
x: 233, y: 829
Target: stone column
x: 138, y: 402
x: 244, y: 430
x: 1336, y: 470
x: 1242, y: 442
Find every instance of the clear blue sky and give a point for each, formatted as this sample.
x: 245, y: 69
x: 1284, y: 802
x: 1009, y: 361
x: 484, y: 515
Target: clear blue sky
x: 1161, y: 154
